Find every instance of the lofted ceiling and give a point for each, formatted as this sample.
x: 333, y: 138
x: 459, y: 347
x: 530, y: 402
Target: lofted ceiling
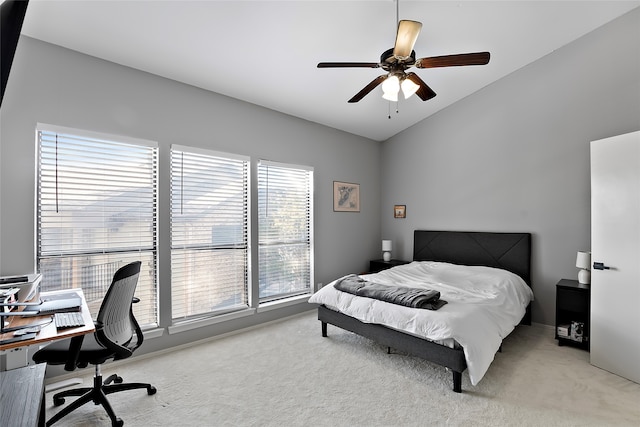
x: 266, y: 52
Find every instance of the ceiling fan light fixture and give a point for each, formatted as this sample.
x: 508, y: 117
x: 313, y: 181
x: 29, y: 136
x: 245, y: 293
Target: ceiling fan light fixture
x: 408, y: 88
x: 390, y: 88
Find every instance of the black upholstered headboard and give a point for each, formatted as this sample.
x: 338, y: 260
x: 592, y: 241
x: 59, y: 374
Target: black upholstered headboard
x: 509, y: 251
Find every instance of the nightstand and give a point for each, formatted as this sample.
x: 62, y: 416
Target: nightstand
x: 573, y: 310
x: 380, y: 264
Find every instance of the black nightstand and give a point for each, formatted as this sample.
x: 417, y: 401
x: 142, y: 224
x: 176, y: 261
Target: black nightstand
x: 573, y: 310
x: 380, y: 264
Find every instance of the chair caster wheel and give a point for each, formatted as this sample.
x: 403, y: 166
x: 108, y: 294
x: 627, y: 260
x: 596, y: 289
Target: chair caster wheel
x: 151, y: 390
x: 118, y: 423
x: 117, y: 380
x: 57, y: 401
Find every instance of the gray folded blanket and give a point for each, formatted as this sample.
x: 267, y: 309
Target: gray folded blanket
x: 401, y: 295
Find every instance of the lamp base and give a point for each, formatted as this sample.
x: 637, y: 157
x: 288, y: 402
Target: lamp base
x: 584, y: 277
x: 386, y: 256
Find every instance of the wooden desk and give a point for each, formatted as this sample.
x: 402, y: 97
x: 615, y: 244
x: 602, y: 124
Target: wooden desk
x: 49, y: 332
x: 22, y: 396
x: 22, y: 388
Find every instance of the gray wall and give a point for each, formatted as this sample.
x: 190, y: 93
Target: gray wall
x: 53, y: 85
x: 515, y: 155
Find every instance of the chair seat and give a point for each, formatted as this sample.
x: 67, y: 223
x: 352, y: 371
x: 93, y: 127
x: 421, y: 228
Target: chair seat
x: 57, y: 353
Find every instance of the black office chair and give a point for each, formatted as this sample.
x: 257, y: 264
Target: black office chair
x: 114, y: 339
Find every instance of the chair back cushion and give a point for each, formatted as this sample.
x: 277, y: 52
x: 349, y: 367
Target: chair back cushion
x: 115, y: 324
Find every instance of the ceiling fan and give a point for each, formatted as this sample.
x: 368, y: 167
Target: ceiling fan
x: 401, y: 57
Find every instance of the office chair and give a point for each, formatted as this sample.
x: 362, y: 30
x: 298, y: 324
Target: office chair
x: 113, y: 339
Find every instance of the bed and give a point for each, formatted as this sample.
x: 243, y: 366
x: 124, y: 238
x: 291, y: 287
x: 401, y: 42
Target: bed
x: 472, y: 254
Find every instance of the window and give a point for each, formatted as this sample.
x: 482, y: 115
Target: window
x: 96, y: 212
x: 209, y: 232
x: 285, y: 230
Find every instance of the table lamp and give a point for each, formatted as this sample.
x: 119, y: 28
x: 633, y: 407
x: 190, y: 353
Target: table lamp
x: 386, y: 250
x: 583, y: 262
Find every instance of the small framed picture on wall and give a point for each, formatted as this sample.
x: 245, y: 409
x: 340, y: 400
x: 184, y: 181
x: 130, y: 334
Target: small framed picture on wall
x: 346, y: 197
x: 400, y: 211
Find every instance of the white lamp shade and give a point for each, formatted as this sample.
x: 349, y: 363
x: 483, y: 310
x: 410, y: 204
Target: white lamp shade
x: 386, y: 245
x: 390, y: 88
x: 390, y: 97
x: 408, y: 88
x: 583, y: 260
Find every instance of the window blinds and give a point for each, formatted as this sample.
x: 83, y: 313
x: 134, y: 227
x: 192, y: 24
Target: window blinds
x: 96, y: 212
x: 285, y: 209
x: 209, y: 231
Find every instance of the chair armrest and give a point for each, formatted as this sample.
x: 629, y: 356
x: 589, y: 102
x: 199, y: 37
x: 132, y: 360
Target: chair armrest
x: 119, y: 351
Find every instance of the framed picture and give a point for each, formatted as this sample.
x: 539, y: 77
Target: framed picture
x: 400, y: 211
x: 346, y: 197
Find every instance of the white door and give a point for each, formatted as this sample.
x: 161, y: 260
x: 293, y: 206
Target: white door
x: 615, y: 242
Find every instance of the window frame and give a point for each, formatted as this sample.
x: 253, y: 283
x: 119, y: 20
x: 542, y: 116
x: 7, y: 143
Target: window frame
x: 246, y: 246
x: 275, y: 298
x: 148, y: 150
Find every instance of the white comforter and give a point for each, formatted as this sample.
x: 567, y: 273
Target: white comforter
x: 484, y: 306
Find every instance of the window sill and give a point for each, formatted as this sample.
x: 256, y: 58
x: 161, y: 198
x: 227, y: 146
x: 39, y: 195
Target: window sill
x: 273, y: 305
x: 202, y: 322
x: 199, y: 323
x: 154, y: 332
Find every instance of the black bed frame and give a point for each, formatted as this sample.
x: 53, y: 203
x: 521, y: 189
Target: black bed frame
x: 509, y: 251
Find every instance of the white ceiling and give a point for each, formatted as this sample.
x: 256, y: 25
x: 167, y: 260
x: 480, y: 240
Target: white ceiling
x: 266, y: 52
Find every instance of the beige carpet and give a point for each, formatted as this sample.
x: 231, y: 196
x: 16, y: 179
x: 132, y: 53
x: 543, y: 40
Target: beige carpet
x: 286, y: 374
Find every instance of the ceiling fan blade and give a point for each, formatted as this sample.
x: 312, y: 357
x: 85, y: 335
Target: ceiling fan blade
x: 478, y: 58
x: 405, y: 38
x: 424, y: 92
x: 368, y: 88
x: 348, y: 65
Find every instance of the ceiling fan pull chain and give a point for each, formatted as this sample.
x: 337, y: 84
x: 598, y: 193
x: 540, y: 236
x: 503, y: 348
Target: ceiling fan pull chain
x: 389, y: 109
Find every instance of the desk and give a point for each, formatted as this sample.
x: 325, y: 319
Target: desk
x: 22, y: 396
x: 48, y: 332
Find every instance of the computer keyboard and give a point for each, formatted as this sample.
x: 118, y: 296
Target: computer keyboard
x: 71, y: 319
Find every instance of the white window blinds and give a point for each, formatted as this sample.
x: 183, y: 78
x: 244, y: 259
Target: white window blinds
x: 209, y: 232
x: 96, y: 212
x: 285, y: 230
